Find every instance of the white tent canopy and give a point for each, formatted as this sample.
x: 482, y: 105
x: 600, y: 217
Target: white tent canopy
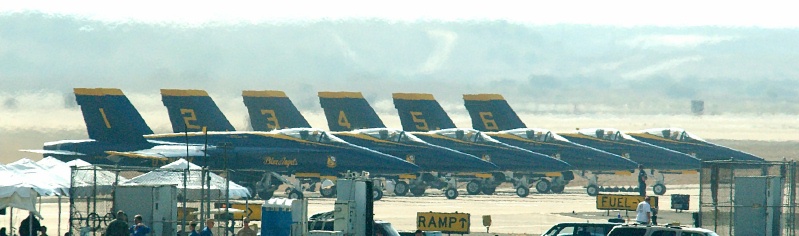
x: 39, y: 176
x: 84, y: 182
x: 16, y: 192
x: 172, y: 174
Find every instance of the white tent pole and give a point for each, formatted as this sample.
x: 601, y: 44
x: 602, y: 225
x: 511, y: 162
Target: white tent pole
x: 59, y: 215
x: 10, y: 221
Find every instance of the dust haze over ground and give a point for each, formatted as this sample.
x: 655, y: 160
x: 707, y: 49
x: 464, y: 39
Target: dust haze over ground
x: 558, y: 76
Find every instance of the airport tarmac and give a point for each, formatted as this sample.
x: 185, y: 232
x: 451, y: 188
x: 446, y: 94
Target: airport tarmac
x: 510, y: 214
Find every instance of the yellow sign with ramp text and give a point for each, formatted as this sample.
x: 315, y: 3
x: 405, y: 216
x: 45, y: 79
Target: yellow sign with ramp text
x: 450, y: 223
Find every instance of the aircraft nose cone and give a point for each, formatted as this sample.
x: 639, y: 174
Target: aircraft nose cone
x: 670, y: 159
x: 539, y: 162
x: 587, y: 158
x: 378, y: 162
x: 730, y: 153
x: 451, y: 160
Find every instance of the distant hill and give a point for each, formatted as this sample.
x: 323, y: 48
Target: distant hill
x: 646, y: 69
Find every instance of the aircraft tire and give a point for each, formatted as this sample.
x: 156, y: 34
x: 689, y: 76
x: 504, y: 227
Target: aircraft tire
x: 543, y: 186
x: 522, y: 191
x: 473, y: 187
x: 401, y: 188
x: 295, y: 194
x: 659, y: 189
x: 488, y: 190
x: 328, y: 192
x: 557, y: 188
x: 377, y: 194
x: 451, y: 193
x: 592, y: 190
x: 418, y: 191
x: 266, y: 195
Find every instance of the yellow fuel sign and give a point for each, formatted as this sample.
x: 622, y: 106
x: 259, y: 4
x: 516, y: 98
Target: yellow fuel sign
x: 622, y: 202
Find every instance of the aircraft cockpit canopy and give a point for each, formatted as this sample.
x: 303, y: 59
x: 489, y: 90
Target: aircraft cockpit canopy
x: 676, y: 134
x: 312, y: 135
x: 540, y: 135
x: 392, y: 135
x: 467, y: 135
x: 606, y: 134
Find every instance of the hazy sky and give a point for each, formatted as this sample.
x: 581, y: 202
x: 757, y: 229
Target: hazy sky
x: 769, y: 13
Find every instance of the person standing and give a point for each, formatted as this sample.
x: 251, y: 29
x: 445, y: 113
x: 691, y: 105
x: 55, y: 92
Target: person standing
x: 643, y: 213
x: 641, y: 180
x: 29, y: 226
x: 193, y: 229
x: 118, y: 226
x: 138, y: 228
x: 209, y: 226
x: 44, y: 231
x: 245, y: 230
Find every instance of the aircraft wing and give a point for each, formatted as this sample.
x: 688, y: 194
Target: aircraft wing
x: 54, y: 152
x: 162, y: 152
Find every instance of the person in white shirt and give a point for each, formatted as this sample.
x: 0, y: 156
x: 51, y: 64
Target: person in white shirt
x: 643, y: 212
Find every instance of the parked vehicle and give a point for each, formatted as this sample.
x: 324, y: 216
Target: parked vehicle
x: 581, y: 229
x: 659, y: 230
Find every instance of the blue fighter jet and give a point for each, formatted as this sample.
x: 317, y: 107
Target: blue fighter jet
x: 422, y: 114
x: 269, y: 109
x: 682, y: 141
x: 117, y: 129
x: 496, y: 114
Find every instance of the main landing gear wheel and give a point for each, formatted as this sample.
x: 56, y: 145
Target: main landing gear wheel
x: 473, y: 187
x: 542, y: 186
x: 592, y: 190
x: 522, y: 191
x: 418, y: 191
x: 557, y: 188
x: 451, y: 193
x: 328, y: 192
x: 377, y: 194
x: 489, y: 190
x: 401, y: 188
x: 295, y: 194
x: 266, y: 194
x: 659, y: 189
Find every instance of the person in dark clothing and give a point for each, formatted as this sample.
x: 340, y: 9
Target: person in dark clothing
x: 3, y: 232
x: 209, y: 227
x: 641, y: 180
x: 193, y: 229
x: 118, y: 226
x: 138, y: 228
x: 30, y: 226
x: 44, y: 231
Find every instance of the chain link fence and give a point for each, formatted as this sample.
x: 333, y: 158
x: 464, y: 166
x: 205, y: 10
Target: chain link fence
x: 718, y: 203
x: 92, y: 198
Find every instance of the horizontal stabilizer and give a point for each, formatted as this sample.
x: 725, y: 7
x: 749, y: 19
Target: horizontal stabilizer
x: 53, y: 152
x: 162, y: 153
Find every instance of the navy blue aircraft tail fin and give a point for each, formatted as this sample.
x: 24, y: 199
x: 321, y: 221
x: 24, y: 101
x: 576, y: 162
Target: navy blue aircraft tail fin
x: 421, y: 112
x: 491, y: 112
x: 271, y: 110
x: 110, y: 116
x: 347, y: 111
x: 193, y: 111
